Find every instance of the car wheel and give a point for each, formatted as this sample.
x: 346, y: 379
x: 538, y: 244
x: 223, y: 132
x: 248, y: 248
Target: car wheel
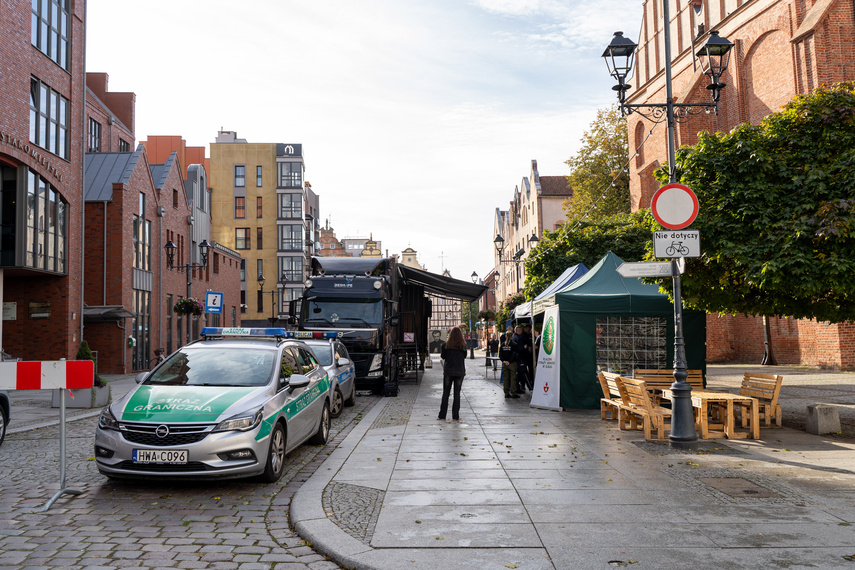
x: 337, y: 403
x: 352, y: 399
x: 323, y: 434
x: 4, y: 421
x: 276, y: 455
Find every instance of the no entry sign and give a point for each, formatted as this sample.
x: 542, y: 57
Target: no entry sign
x: 674, y: 206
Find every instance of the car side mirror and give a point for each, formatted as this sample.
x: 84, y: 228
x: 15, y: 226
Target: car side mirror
x: 140, y: 377
x: 298, y: 381
x: 343, y: 361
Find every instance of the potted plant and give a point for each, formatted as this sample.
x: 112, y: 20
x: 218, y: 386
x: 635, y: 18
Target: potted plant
x: 189, y: 306
x: 97, y: 396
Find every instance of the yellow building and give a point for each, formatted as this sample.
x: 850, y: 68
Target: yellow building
x: 262, y: 208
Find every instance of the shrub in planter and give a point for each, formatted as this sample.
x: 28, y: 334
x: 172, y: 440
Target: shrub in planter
x: 85, y: 353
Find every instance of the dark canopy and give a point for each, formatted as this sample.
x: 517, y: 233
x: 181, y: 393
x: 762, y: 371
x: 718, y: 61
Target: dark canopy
x: 441, y: 285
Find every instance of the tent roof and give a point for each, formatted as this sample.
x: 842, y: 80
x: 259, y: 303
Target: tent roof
x: 603, y: 290
x: 547, y: 296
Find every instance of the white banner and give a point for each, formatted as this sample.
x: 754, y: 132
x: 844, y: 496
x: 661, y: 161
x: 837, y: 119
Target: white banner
x: 547, y: 380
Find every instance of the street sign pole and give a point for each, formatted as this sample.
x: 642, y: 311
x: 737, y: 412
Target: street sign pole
x: 683, y: 435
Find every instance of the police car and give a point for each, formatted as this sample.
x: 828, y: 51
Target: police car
x: 333, y: 356
x: 232, y: 404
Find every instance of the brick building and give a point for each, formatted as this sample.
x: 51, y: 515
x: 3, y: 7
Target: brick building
x: 42, y: 140
x: 783, y: 48
x: 134, y: 208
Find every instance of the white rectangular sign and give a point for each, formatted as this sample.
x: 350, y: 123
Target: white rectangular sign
x: 645, y: 269
x: 677, y: 243
x: 547, y: 379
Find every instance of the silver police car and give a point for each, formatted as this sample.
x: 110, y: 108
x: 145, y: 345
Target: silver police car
x: 333, y: 356
x: 233, y: 404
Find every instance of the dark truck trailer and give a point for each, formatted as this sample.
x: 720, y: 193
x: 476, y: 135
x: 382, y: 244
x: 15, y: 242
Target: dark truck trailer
x: 380, y: 311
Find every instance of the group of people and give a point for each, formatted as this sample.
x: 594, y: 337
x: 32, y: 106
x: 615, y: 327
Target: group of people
x: 515, y: 349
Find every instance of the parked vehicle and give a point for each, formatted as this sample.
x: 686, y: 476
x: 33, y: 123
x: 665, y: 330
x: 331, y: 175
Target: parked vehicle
x: 333, y: 356
x: 379, y: 310
x: 232, y: 404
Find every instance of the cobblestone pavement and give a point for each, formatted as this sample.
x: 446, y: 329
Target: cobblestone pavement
x: 239, y: 524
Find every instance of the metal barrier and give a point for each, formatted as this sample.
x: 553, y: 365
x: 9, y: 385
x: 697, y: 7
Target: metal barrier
x: 50, y: 375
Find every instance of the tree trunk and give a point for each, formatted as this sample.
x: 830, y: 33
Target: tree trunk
x: 768, y: 357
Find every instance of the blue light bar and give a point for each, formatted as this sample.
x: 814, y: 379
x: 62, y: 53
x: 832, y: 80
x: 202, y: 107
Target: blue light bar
x: 272, y: 332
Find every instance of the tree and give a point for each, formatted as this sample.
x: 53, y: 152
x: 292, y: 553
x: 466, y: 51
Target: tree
x: 627, y: 235
x: 777, y: 215
x: 598, y: 174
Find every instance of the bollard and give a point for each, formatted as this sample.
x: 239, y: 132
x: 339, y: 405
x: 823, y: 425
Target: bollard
x: 822, y: 419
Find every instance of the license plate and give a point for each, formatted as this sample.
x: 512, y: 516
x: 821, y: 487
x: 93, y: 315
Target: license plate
x: 171, y: 456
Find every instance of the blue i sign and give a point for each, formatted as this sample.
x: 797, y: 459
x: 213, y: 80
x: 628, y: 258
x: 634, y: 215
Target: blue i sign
x: 213, y: 302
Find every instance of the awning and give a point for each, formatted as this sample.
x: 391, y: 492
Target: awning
x: 444, y: 286
x: 105, y: 313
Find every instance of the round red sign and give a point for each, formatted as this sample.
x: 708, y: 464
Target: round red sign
x: 674, y: 206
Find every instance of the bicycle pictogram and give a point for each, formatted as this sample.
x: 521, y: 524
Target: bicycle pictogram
x: 676, y: 248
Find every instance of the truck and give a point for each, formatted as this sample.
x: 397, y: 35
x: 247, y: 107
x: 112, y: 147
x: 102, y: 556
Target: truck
x: 380, y: 311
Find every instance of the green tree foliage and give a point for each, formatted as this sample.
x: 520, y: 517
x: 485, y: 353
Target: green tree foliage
x: 627, y: 235
x: 85, y: 353
x: 777, y: 212
x: 598, y: 176
x: 508, y: 305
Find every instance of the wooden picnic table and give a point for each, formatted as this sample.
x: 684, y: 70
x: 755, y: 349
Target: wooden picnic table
x: 715, y: 415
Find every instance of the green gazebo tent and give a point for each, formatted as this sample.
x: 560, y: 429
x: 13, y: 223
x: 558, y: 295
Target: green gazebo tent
x: 606, y: 319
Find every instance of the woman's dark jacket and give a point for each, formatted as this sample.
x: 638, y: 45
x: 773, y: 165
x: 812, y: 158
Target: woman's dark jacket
x: 455, y: 361
x: 509, y: 353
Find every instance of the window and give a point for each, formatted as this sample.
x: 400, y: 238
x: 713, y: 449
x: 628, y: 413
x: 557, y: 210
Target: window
x: 240, y: 207
x: 290, y: 175
x: 46, y: 226
x: 169, y: 324
x: 242, y: 239
x: 259, y: 268
x: 290, y: 237
x: 258, y: 207
x: 49, y: 29
x: 258, y: 233
x: 240, y: 176
x: 290, y: 206
x: 243, y: 269
x: 174, y: 198
x: 627, y: 343
x: 234, y: 316
x: 94, y: 136
x: 49, y: 119
x: 258, y: 176
x: 124, y: 146
x: 142, y: 237
x: 259, y: 298
x: 291, y: 269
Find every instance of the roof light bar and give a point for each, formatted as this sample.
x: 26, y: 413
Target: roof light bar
x: 272, y: 332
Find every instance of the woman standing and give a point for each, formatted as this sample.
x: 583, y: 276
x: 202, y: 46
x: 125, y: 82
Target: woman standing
x: 454, y: 354
x: 508, y: 354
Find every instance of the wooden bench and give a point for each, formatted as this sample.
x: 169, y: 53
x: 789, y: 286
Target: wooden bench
x: 765, y: 388
x: 612, y: 398
x: 662, y: 379
x: 638, y: 405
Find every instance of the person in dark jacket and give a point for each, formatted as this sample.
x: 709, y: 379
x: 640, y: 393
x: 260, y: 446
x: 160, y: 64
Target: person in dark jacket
x: 454, y: 354
x: 508, y: 354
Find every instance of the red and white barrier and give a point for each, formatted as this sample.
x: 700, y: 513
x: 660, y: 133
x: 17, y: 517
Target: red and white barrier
x: 47, y: 375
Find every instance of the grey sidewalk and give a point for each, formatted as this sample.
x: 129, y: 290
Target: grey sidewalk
x: 510, y: 486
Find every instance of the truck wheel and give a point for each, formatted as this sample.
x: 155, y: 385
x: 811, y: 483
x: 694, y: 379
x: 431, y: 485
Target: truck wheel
x: 276, y: 455
x: 323, y: 433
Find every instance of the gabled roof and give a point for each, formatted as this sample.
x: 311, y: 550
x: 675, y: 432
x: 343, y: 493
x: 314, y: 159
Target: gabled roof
x: 103, y: 169
x: 160, y: 172
x: 554, y: 186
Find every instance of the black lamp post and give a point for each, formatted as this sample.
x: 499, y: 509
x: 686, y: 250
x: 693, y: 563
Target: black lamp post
x: 713, y: 56
x: 472, y: 340
x: 170, y: 258
x: 273, y: 318
x: 516, y: 259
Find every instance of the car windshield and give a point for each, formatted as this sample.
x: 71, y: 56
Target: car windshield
x: 322, y: 353
x: 216, y: 366
x: 347, y: 312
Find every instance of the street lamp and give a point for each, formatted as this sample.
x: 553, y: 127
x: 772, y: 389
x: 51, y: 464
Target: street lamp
x: 474, y: 277
x: 273, y: 318
x: 170, y: 249
x: 516, y: 259
x: 713, y: 55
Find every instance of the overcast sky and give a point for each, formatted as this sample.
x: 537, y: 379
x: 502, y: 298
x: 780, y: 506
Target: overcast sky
x: 418, y: 118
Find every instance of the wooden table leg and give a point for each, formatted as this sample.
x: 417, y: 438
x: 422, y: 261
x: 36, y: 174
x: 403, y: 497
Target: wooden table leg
x: 730, y: 421
x: 755, y: 419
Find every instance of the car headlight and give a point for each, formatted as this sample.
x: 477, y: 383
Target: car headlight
x: 376, y: 362
x: 107, y: 420
x: 240, y: 423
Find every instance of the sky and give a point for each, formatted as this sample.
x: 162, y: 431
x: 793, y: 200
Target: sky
x: 418, y: 118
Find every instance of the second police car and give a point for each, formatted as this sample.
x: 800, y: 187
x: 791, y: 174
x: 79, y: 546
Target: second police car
x: 233, y: 404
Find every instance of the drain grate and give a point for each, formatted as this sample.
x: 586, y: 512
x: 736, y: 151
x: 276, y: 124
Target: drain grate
x: 738, y: 487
